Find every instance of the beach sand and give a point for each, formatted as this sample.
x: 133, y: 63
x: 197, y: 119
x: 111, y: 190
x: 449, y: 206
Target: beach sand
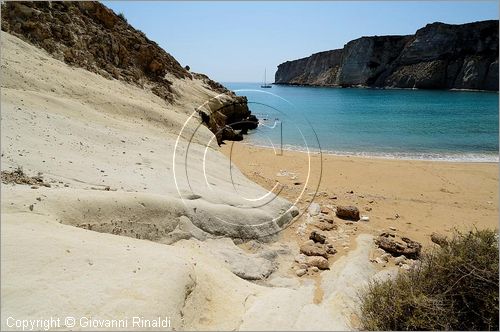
x: 105, y: 150
x: 415, y: 197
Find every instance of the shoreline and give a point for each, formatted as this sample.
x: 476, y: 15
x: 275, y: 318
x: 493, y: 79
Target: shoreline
x: 416, y: 197
x: 376, y: 87
x: 479, y: 158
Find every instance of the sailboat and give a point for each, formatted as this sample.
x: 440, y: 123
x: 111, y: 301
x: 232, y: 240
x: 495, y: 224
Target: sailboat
x: 265, y: 85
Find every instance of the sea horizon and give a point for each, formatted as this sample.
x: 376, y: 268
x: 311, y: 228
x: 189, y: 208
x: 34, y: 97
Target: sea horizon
x: 434, y: 125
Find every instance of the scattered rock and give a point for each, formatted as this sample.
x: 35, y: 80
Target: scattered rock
x: 19, y: 177
x: 393, y: 229
x: 325, y: 226
x: 300, y: 272
x: 406, y: 247
x: 386, y: 257
x: 316, y: 249
x: 400, y: 260
x: 330, y: 249
x: 365, y: 218
x: 405, y: 267
x: 31, y: 207
x: 348, y: 212
x: 314, y: 209
x: 317, y: 237
x: 301, y: 259
x: 303, y: 266
x: 439, y: 239
x: 318, y: 261
x: 315, y: 269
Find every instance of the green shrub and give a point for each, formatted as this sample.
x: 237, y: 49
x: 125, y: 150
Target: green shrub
x: 122, y: 16
x: 454, y: 288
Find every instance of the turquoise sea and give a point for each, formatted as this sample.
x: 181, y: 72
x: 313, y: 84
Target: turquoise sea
x: 406, y: 124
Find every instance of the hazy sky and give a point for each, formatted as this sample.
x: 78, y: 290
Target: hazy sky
x: 235, y: 41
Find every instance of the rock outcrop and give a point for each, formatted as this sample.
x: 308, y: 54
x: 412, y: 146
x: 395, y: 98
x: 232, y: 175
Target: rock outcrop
x: 399, y: 246
x: 438, y: 56
x: 91, y: 36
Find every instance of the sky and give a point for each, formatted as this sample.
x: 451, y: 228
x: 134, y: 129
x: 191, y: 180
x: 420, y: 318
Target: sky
x: 235, y: 41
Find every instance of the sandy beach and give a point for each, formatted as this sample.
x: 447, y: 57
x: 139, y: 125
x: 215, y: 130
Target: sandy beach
x: 117, y: 202
x: 415, y: 197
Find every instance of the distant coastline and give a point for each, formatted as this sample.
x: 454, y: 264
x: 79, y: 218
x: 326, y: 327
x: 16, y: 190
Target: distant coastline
x: 374, y: 87
x: 437, y: 56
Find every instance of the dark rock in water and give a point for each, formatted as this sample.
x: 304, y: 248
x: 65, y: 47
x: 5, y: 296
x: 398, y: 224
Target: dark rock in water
x: 250, y: 122
x: 223, y: 114
x: 317, y: 237
x: 437, y: 56
x: 406, y: 247
x: 348, y: 212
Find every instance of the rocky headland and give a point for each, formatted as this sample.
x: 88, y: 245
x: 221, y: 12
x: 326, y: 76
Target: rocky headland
x: 437, y: 56
x: 89, y: 35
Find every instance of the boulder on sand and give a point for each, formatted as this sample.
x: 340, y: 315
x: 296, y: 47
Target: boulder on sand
x: 406, y: 247
x: 318, y: 261
x: 317, y: 237
x: 439, y: 239
x: 314, y: 209
x: 315, y: 249
x: 348, y: 212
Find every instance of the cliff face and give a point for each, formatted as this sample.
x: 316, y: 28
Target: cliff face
x: 438, y: 56
x: 91, y: 36
x: 319, y: 68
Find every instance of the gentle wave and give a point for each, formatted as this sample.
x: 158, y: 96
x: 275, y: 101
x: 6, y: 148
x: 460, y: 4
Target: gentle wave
x: 449, y: 157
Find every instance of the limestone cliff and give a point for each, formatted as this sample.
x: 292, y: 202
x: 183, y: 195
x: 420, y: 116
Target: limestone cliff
x: 438, y: 56
x: 90, y: 35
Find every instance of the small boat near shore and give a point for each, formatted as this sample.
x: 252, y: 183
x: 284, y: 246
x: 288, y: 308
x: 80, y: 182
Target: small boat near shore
x: 265, y: 85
